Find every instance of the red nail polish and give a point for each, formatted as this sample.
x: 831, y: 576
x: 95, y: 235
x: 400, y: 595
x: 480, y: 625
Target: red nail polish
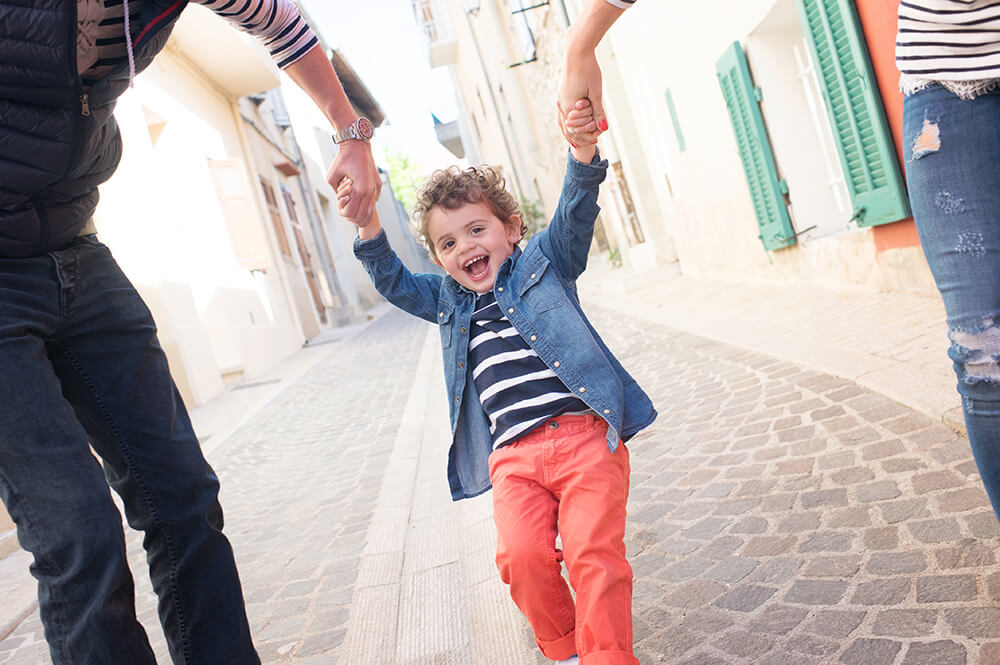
x: 603, y: 125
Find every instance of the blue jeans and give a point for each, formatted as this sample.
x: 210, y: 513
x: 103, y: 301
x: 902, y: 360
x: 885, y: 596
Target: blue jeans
x: 80, y: 366
x: 952, y: 150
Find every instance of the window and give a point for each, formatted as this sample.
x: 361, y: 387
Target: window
x: 247, y: 234
x: 276, y: 221
x: 423, y: 12
x: 522, y: 26
x: 831, y: 139
x: 867, y: 153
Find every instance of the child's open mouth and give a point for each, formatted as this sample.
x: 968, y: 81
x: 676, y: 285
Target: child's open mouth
x: 478, y: 267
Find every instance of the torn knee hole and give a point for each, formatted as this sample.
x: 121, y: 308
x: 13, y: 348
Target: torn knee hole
x: 979, y: 351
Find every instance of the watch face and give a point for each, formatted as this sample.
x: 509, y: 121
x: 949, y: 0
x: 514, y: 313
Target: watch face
x: 365, y: 129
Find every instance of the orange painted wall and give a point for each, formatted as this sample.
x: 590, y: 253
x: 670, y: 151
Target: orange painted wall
x: 878, y: 20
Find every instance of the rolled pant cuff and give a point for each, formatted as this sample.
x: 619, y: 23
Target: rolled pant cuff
x: 608, y: 658
x: 560, y: 649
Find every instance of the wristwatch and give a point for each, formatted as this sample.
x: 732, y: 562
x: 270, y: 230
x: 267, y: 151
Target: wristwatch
x: 360, y: 129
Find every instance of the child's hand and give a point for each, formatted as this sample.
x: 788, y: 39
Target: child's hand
x: 344, y: 190
x: 580, y: 129
x: 366, y: 228
x: 579, y: 125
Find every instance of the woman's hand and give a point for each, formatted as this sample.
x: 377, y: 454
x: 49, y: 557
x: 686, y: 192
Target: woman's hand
x: 581, y: 83
x: 581, y: 72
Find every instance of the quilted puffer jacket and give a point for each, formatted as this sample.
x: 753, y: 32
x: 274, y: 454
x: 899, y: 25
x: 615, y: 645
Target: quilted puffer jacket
x: 58, y: 144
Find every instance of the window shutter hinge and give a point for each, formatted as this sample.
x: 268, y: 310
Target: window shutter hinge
x: 783, y: 186
x: 758, y: 94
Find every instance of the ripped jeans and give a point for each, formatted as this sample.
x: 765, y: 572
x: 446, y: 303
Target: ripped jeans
x: 952, y: 150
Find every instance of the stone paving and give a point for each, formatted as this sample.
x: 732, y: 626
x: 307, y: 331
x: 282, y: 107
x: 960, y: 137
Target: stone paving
x: 299, y: 485
x: 777, y: 515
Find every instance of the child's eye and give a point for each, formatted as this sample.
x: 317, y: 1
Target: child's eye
x: 447, y: 244
x: 477, y: 229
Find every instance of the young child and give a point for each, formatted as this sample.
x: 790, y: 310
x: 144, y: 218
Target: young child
x: 540, y: 408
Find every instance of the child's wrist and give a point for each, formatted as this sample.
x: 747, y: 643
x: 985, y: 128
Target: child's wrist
x: 370, y: 230
x: 584, y: 154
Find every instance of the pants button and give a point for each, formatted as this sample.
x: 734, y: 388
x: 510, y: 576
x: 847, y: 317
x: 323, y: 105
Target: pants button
x: 553, y: 424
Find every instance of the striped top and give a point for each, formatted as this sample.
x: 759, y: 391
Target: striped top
x: 101, y: 44
x: 622, y: 4
x: 949, y: 40
x: 515, y: 387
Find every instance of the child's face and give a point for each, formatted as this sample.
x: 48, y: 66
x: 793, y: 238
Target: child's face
x: 471, y: 243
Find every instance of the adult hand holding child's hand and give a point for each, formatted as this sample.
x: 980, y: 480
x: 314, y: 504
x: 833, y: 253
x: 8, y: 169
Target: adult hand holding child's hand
x: 367, y: 228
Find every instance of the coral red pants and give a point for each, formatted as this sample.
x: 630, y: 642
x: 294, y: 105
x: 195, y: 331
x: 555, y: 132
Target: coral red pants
x: 561, y: 479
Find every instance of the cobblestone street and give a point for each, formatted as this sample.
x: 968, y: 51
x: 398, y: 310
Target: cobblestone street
x: 778, y: 515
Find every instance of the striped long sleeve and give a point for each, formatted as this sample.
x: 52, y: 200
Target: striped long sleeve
x: 277, y: 23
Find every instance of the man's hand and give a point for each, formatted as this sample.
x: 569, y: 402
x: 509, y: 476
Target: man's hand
x: 354, y: 161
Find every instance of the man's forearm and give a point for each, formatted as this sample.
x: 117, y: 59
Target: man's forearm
x: 314, y: 73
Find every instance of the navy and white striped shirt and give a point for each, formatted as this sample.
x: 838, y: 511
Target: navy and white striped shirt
x: 621, y: 4
x: 949, y: 40
x: 515, y: 387
x: 101, y: 44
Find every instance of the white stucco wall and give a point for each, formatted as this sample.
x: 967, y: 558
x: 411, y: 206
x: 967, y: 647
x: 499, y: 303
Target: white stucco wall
x: 161, y: 216
x: 658, y: 46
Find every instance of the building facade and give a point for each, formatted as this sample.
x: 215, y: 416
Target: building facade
x: 750, y: 139
x: 238, y: 251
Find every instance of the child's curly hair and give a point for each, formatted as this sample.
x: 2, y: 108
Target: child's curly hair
x: 453, y: 187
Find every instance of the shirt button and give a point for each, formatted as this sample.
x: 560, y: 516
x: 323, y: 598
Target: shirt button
x: 500, y: 288
x: 556, y: 364
x: 458, y: 398
x: 461, y: 365
x: 534, y: 337
x: 463, y: 330
x: 607, y: 411
x: 583, y: 390
x: 532, y: 275
x: 440, y: 315
x: 510, y: 311
x: 553, y: 424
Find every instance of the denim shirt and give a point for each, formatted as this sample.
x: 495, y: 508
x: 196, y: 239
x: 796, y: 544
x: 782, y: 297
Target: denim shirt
x: 538, y: 294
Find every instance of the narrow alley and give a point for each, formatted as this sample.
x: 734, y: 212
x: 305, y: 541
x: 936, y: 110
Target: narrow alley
x: 777, y: 515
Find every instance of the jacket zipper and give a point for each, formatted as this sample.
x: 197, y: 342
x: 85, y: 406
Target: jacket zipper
x: 84, y: 98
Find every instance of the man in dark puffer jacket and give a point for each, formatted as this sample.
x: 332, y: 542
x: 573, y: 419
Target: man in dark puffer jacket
x: 80, y: 364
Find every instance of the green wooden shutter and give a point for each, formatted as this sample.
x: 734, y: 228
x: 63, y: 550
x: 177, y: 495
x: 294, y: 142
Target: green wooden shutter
x: 852, y: 101
x: 766, y: 189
